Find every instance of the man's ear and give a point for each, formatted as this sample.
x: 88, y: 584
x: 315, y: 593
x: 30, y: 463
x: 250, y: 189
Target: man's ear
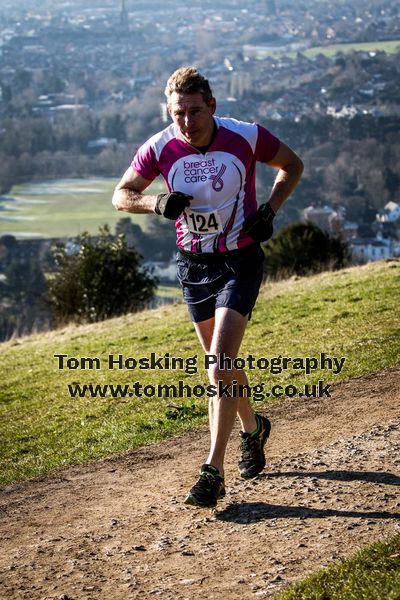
x: 213, y: 105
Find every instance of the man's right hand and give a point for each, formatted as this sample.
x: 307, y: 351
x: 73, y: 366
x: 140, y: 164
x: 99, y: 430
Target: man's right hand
x: 172, y: 205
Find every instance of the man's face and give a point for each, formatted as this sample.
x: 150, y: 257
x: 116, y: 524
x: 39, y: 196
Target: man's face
x: 193, y: 117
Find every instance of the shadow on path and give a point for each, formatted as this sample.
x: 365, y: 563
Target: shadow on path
x: 254, y: 512
x: 370, y: 476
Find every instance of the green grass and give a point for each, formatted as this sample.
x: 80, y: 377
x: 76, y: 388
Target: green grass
x: 169, y: 291
x: 390, y: 47
x: 373, y: 574
x: 64, y: 207
x: 353, y: 313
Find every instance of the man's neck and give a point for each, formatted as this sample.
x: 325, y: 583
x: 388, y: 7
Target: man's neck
x: 204, y: 149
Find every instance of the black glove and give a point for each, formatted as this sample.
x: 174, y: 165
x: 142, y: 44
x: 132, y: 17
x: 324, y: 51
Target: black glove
x: 172, y: 205
x: 259, y: 224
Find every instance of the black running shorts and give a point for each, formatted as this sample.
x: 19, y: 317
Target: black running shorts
x: 210, y: 281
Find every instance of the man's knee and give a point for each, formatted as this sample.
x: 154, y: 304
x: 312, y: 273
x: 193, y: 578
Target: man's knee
x: 225, y: 371
x: 215, y: 373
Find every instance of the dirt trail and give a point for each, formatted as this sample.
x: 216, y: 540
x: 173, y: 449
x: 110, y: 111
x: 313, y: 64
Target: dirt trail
x: 116, y: 529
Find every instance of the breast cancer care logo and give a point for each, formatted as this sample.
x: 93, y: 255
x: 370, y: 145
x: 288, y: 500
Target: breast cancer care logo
x: 217, y: 181
x: 200, y: 170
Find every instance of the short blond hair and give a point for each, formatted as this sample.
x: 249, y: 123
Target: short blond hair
x: 188, y: 80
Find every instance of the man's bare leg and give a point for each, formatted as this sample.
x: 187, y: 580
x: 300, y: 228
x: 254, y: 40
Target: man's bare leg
x: 223, y: 335
x: 205, y: 330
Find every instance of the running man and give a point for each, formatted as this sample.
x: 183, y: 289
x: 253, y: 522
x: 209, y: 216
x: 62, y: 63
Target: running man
x: 208, y: 164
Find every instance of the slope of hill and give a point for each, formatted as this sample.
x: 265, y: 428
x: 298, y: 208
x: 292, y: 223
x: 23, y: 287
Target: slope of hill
x: 352, y: 315
x: 116, y: 528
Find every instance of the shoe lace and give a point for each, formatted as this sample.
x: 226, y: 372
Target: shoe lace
x: 249, y: 447
x: 207, y: 481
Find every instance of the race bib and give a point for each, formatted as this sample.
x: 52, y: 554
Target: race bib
x: 208, y: 222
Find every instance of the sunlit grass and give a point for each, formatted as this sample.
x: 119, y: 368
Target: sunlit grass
x: 352, y: 314
x: 374, y: 573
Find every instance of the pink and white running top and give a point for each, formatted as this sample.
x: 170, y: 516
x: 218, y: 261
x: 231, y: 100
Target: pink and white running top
x: 221, y: 181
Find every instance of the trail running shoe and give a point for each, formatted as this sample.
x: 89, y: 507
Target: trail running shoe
x: 252, y: 460
x: 209, y: 488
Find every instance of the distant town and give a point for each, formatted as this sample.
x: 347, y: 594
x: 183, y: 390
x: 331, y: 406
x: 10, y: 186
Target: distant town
x: 81, y: 86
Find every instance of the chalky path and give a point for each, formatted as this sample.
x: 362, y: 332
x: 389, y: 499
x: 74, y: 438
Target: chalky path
x: 117, y: 528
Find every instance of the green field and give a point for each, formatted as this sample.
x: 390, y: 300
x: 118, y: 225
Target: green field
x: 390, y: 47
x: 352, y: 313
x: 64, y: 207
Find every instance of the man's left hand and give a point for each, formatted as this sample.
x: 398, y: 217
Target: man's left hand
x: 259, y: 224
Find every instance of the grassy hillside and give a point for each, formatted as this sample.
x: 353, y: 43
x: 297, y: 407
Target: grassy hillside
x: 352, y: 314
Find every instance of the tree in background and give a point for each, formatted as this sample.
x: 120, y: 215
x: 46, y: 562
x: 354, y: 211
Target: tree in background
x: 303, y: 248
x: 100, y: 277
x: 156, y: 243
x: 22, y: 297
